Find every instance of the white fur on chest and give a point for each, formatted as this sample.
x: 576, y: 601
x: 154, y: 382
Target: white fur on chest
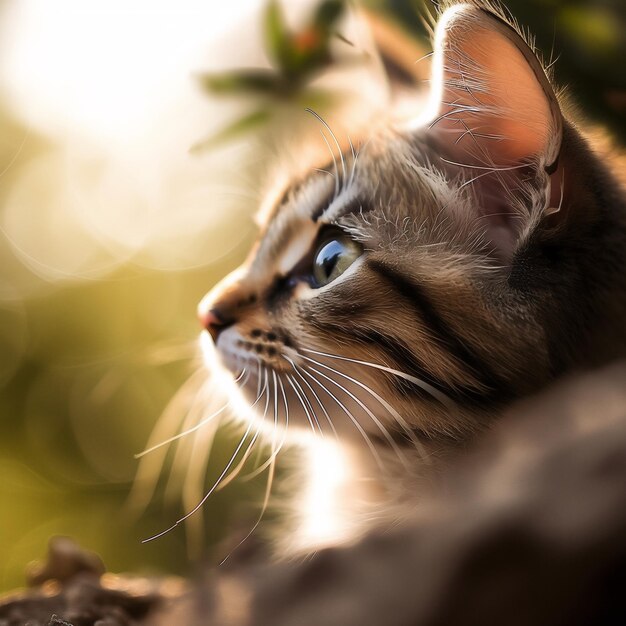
x: 335, y: 502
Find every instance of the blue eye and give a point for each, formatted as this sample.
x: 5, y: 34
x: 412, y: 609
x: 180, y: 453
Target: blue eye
x: 333, y: 258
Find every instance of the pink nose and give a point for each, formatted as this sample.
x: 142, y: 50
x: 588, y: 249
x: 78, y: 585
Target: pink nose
x: 214, y: 322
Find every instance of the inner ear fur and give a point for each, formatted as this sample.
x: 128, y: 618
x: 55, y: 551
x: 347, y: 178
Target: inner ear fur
x: 493, y: 103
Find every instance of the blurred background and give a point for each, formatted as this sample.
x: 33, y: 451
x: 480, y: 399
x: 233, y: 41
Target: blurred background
x: 137, y: 139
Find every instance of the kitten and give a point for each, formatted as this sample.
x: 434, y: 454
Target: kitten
x: 451, y: 266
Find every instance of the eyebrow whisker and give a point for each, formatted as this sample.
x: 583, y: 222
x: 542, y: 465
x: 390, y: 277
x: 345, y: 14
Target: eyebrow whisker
x: 332, y: 134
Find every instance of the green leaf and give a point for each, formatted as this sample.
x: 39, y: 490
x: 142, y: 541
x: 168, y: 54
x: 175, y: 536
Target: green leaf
x: 244, y: 81
x: 277, y: 35
x: 236, y: 129
x: 328, y: 12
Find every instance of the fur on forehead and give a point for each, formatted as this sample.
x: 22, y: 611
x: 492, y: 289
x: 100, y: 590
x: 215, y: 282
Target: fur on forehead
x: 405, y: 196
x: 410, y: 200
x: 299, y: 162
x: 405, y: 191
x: 290, y: 230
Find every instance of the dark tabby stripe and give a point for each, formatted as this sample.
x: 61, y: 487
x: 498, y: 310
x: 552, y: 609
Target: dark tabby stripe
x: 399, y: 356
x: 402, y: 357
x: 415, y: 295
x: 353, y: 205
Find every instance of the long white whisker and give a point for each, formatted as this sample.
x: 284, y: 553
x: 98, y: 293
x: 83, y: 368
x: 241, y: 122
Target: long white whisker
x: 358, y: 426
x: 180, y: 468
x: 373, y: 417
x: 308, y: 403
x: 274, y: 449
x: 282, y: 391
x: 343, y: 160
x: 332, y: 154
x: 248, y: 451
x: 355, y: 158
x: 306, y: 411
x: 322, y: 171
x: 146, y: 479
x: 317, y: 398
x: 258, y: 382
x: 435, y: 393
x: 188, y: 431
x: 208, y: 494
x: 275, y: 410
x: 403, y: 423
x: 266, y: 498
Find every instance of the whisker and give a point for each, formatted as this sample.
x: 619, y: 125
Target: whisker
x: 275, y: 408
x: 266, y: 498
x: 434, y: 392
x: 306, y: 411
x: 376, y: 421
x: 167, y: 352
x: 355, y: 158
x: 332, y: 154
x: 304, y: 380
x: 211, y: 490
x: 352, y: 150
x: 248, y: 451
x: 189, y: 471
x: 308, y: 402
x: 207, y: 495
x: 180, y: 467
x: 259, y: 379
x: 275, y: 450
x: 343, y: 160
x: 182, y: 434
x: 282, y: 390
x: 358, y: 426
x: 322, y: 171
x: 188, y: 431
x: 146, y: 478
x: 403, y: 423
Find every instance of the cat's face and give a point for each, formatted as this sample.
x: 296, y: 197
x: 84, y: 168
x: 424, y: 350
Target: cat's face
x: 382, y: 300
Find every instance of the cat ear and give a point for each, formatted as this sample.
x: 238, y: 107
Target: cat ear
x: 495, y: 122
x: 492, y: 103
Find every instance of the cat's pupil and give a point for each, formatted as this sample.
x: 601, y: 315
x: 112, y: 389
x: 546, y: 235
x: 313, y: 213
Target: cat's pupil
x: 333, y: 258
x: 333, y: 252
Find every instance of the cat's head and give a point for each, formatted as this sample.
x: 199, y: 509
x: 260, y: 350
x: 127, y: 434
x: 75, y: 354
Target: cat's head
x: 417, y: 283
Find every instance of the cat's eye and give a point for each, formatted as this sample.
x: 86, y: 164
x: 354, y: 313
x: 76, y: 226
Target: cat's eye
x: 333, y: 258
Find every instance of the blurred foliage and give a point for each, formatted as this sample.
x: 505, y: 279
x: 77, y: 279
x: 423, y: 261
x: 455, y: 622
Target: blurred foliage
x: 297, y: 58
x: 87, y: 366
x: 587, y: 39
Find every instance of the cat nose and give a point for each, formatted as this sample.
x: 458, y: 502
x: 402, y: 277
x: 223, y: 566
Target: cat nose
x: 214, y: 322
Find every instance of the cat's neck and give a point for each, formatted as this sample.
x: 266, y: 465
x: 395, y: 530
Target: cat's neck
x: 346, y: 490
